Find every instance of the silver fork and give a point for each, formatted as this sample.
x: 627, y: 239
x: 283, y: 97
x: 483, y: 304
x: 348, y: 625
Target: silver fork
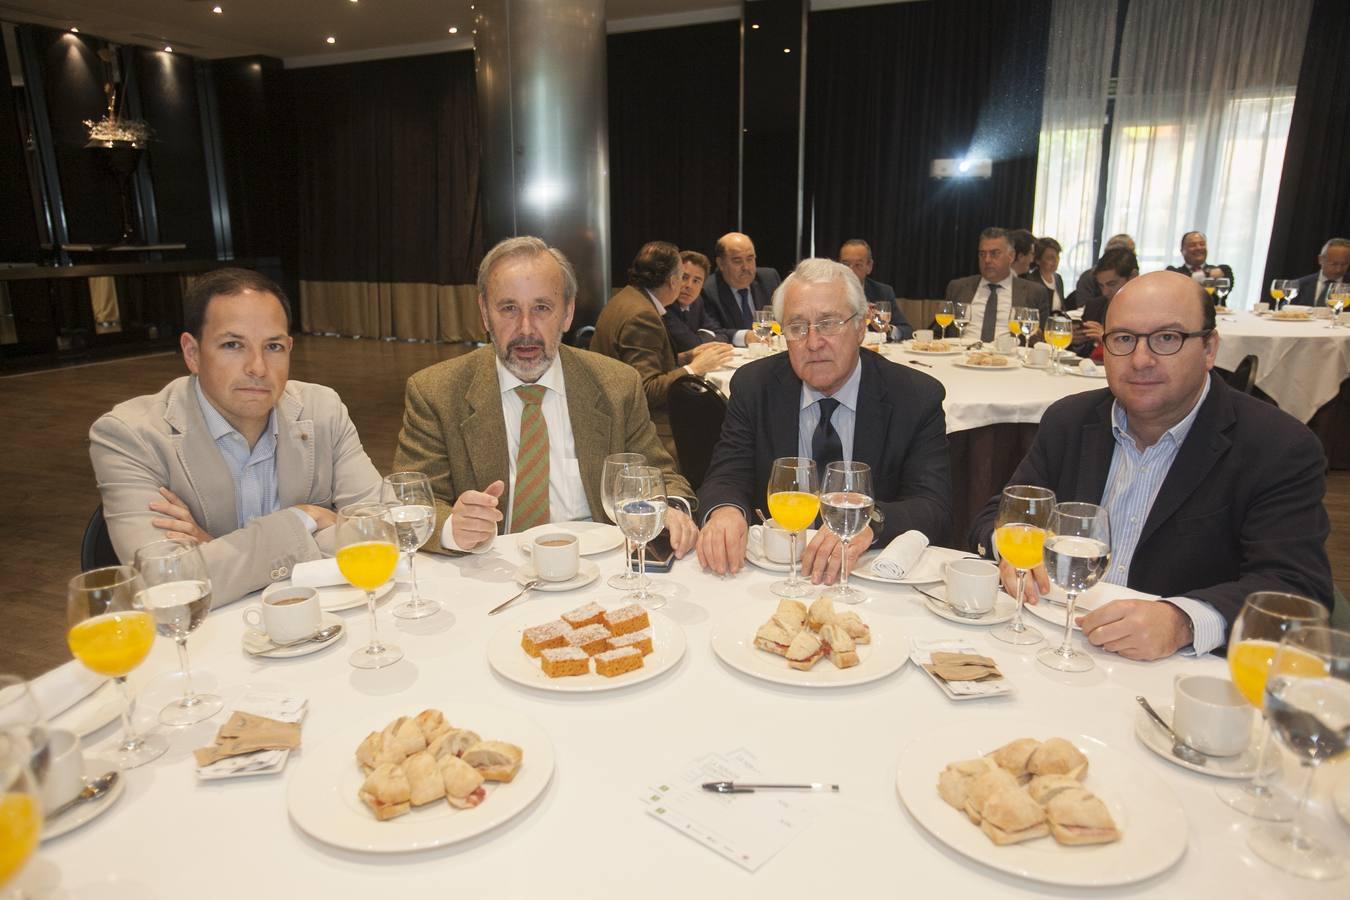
x: 523, y: 591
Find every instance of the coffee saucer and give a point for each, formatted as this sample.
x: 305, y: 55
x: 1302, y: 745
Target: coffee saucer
x: 587, y: 572
x: 83, y: 813
x: 1154, y: 738
x: 256, y: 643
x: 1004, y: 607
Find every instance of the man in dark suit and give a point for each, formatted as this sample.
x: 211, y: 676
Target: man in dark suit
x: 1333, y: 262
x: 1087, y: 282
x: 686, y: 321
x: 1194, y: 253
x: 857, y: 255
x: 1117, y: 267
x: 827, y: 400
x: 737, y: 289
x: 996, y: 276
x: 1024, y: 250
x: 1211, y: 494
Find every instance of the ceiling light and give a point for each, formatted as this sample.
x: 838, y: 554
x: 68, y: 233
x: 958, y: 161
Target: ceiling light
x: 454, y: 30
x: 217, y: 10
x: 755, y: 26
x: 74, y: 30
x: 331, y: 39
x: 168, y: 49
x: 787, y: 49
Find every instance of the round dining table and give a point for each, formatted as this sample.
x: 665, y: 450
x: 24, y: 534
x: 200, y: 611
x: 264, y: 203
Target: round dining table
x: 589, y: 832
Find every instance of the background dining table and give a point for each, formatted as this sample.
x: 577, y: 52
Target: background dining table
x: 588, y: 834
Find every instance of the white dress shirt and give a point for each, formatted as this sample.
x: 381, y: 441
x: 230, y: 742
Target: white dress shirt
x: 977, y: 304
x: 566, y: 491
x: 1056, y: 301
x: 844, y: 418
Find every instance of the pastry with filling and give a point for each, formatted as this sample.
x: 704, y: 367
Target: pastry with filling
x: 1010, y: 816
x: 424, y: 778
x: 564, y: 662
x: 854, y: 625
x: 590, y: 614
x: 495, y: 760
x: 1044, y: 788
x: 955, y: 780
x: 544, y: 637
x: 463, y: 783
x: 403, y: 736
x: 1078, y: 817
x: 804, y: 650
x: 617, y: 662
x: 432, y: 724
x: 983, y: 787
x: 1013, y: 756
x: 453, y: 743
x: 820, y: 614
x: 792, y: 615
x: 386, y: 791
x: 626, y: 619
x: 1058, y: 757
x: 840, y: 646
x: 773, y: 637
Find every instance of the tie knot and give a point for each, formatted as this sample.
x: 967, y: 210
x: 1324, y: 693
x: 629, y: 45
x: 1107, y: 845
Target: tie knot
x: 531, y: 394
x: 993, y: 289
x: 827, y: 407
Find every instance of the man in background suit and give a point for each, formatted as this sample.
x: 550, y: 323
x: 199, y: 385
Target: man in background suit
x: 686, y: 321
x: 234, y: 456
x: 630, y: 330
x: 737, y: 289
x: 1211, y: 494
x: 857, y: 255
x: 1024, y: 251
x: 1333, y: 263
x: 1117, y: 268
x: 516, y: 434
x: 996, y: 276
x: 827, y: 400
x: 1087, y: 282
x: 1194, y: 251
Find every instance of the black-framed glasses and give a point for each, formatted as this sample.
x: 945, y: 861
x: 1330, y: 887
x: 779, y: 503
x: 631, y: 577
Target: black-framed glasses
x: 1164, y: 342
x: 797, y: 331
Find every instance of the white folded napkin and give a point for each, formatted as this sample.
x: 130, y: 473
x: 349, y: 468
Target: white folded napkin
x: 1087, y: 367
x: 319, y: 573
x: 61, y: 688
x: 901, y: 555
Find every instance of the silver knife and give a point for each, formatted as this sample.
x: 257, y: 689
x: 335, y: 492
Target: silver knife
x: 739, y: 787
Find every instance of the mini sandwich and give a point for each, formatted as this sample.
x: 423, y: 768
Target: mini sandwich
x: 495, y: 760
x: 1011, y: 816
x: 804, y: 650
x: 773, y: 637
x: 463, y: 783
x: 955, y: 780
x: 1058, y: 757
x: 404, y: 736
x: 432, y: 724
x: 424, y: 778
x: 1013, y: 756
x: 792, y: 614
x: 1077, y: 817
x: 453, y: 743
x: 839, y: 645
x: 983, y: 787
x: 386, y: 791
x: 855, y: 626
x: 1044, y: 788
x: 820, y: 614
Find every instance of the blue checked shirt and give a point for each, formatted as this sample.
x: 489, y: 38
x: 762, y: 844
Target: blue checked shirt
x: 1131, y: 487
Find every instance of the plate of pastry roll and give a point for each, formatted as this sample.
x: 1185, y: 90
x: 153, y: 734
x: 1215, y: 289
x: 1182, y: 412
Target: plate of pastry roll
x: 1062, y: 810
x: 819, y: 646
x: 424, y: 779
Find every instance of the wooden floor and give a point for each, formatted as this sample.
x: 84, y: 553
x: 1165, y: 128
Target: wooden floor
x: 50, y: 493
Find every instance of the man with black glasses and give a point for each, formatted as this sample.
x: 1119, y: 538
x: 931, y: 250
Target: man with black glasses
x: 1211, y: 494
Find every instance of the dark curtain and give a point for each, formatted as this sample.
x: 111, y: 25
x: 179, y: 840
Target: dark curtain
x: 891, y: 88
x: 387, y: 159
x: 1314, y: 200
x: 672, y: 138
x: 18, y: 227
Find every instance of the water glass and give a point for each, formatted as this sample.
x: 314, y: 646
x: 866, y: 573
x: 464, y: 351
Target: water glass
x: 412, y: 508
x: 846, y: 501
x: 178, y: 594
x: 1077, y: 554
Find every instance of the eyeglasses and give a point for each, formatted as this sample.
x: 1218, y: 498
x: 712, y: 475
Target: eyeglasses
x: 1164, y: 342
x: 797, y: 331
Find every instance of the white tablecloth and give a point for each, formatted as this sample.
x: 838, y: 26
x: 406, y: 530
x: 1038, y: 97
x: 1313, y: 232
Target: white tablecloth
x: 1301, y: 364
x: 587, y: 835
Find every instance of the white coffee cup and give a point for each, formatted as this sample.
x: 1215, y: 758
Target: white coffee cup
x: 774, y: 543
x: 557, y: 556
x: 1005, y: 343
x: 1321, y: 312
x: 287, y: 615
x: 65, y: 769
x: 972, y: 585
x: 1039, y: 355
x: 1210, y: 715
x: 1261, y: 308
x: 923, y: 334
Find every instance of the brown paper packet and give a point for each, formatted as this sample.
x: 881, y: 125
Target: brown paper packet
x: 247, y: 733
x: 949, y: 672
x: 941, y: 657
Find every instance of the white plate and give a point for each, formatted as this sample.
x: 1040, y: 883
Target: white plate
x: 1044, y: 368
x: 733, y: 639
x: 587, y: 572
x: 337, y: 597
x: 90, y: 810
x: 1052, y: 609
x: 1151, y: 821
x: 755, y: 556
x: 104, y: 705
x: 954, y: 352
x: 928, y: 570
x: 1004, y: 606
x: 1099, y: 372
x: 255, y: 642
x: 594, y: 537
x: 512, y: 663
x: 1012, y: 364
x: 322, y: 793
x: 1154, y: 738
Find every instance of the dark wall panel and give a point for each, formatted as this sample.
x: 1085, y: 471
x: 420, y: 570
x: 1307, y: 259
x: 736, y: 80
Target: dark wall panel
x: 18, y: 227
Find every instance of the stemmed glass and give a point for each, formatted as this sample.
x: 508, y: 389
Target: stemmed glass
x: 640, y: 502
x: 22, y: 720
x: 20, y: 809
x: 884, y: 314
x: 846, y: 501
x: 794, y: 501
x: 367, y: 554
x: 616, y: 463
x: 412, y: 509
x: 1015, y: 322
x: 960, y: 317
x: 1031, y: 322
x: 1290, y: 290
x: 1058, y: 334
x: 111, y: 634
x: 1277, y: 291
x: 1222, y: 288
x: 1077, y: 554
x: 1211, y: 285
x: 945, y: 316
x: 178, y: 594
x: 1338, y: 295
x: 763, y: 325
x: 1265, y: 619
x: 1019, y: 534
x: 1307, y: 701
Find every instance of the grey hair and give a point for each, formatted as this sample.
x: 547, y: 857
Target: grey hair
x: 526, y: 246
x: 1334, y: 242
x: 822, y: 271
x: 1119, y: 240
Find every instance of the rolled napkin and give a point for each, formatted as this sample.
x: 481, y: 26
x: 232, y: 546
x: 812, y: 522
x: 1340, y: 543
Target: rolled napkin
x: 901, y: 555
x: 61, y: 688
x: 317, y: 573
x: 1087, y: 367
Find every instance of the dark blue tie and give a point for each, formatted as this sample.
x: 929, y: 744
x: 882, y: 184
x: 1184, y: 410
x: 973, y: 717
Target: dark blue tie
x: 747, y: 311
x: 826, y: 446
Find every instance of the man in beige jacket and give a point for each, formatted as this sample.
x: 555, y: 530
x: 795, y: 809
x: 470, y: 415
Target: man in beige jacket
x: 232, y: 455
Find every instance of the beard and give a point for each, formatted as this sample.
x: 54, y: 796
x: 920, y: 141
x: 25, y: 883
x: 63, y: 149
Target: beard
x: 526, y: 370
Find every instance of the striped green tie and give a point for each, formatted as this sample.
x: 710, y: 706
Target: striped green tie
x: 529, y: 502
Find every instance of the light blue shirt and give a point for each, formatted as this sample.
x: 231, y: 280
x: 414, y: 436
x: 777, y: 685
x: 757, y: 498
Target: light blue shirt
x: 1132, y: 484
x: 844, y: 417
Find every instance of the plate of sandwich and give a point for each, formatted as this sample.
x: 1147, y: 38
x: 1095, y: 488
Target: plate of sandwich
x: 820, y: 646
x: 1064, y: 810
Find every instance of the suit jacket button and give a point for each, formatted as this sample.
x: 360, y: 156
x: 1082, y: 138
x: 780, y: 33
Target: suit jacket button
x: 303, y: 436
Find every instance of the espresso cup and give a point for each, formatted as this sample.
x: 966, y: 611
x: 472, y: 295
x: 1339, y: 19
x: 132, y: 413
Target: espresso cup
x: 1261, y: 308
x: 774, y: 543
x: 1210, y: 715
x: 1039, y: 355
x: 923, y: 334
x: 287, y: 615
x: 65, y: 769
x: 972, y: 585
x: 557, y: 556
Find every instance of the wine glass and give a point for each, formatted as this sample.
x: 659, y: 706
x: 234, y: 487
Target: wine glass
x: 1019, y: 534
x: 20, y: 809
x: 763, y: 325
x: 1211, y: 285
x: 1222, y: 288
x: 1031, y: 321
x: 1015, y: 322
x: 794, y: 501
x: 609, y: 476
x: 412, y: 509
x: 1338, y: 295
x: 1277, y: 292
x: 846, y: 501
x: 1290, y: 290
x: 945, y: 315
x: 1058, y: 334
x: 22, y: 720
x: 960, y: 317
x: 367, y: 554
x: 640, y: 502
x: 111, y: 634
x: 1265, y: 619
x: 1307, y: 701
x: 178, y: 595
x: 1077, y: 554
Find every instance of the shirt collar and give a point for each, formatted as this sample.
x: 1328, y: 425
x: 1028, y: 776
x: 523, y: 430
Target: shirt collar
x: 217, y: 424
x: 551, y: 379
x: 1177, y: 432
x: 660, y: 310
x: 1004, y: 285
x: 846, y: 395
